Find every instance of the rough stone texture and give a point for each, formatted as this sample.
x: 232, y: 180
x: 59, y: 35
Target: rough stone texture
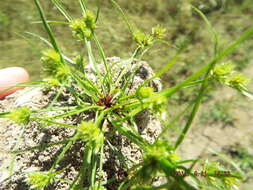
x: 40, y: 133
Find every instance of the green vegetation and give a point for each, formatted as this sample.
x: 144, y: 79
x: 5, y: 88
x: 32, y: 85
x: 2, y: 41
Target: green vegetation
x: 64, y: 69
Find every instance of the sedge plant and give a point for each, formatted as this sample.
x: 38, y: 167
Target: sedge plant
x: 112, y: 105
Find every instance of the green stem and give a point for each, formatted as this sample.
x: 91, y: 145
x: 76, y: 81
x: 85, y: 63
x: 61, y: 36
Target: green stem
x: 116, y: 5
x: 195, y: 107
x: 102, y: 53
x: 61, y: 156
x: 94, y: 167
x: 48, y: 29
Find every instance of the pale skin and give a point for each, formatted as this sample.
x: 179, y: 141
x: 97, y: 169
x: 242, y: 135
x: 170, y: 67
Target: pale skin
x: 11, y: 76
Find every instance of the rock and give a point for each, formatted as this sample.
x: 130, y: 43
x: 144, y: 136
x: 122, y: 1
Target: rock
x: 40, y: 134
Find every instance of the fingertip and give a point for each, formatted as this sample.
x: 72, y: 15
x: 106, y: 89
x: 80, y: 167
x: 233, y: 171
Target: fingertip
x: 10, y: 77
x: 21, y: 72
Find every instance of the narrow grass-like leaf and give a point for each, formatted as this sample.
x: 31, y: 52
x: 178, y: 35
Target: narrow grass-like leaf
x: 98, y: 9
x: 73, y: 112
x: 25, y: 84
x: 52, y: 22
x: 229, y: 161
x: 56, y: 96
x: 137, y: 139
x: 83, y: 5
x: 40, y: 38
x: 39, y: 147
x: 245, y: 36
x: 169, y: 64
x: 86, y: 87
x: 54, y: 122
x: 62, y: 154
x: 93, y: 165
x: 16, y: 146
x: 84, y: 77
x: 34, y: 47
x: 62, y: 10
x: 102, y: 54
x: 47, y: 27
x: 116, y: 5
x: 210, y: 27
x: 51, y: 46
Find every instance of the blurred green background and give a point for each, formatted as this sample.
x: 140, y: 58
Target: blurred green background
x: 229, y: 17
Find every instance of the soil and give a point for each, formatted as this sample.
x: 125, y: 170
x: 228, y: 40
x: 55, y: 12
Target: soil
x: 207, y: 138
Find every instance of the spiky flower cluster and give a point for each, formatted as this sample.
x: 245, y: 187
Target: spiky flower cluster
x: 40, y: 180
x: 84, y: 27
x: 143, y: 40
x: 154, y: 157
x: 238, y: 82
x: 158, y: 32
x: 161, y: 150
x: 53, y: 66
x: 20, y: 115
x: 146, y: 40
x: 224, y: 73
x: 90, y: 133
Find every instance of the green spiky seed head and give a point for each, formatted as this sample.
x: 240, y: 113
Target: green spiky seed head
x: 40, y: 180
x: 238, y: 82
x: 84, y: 27
x: 223, y: 71
x: 145, y: 92
x: 78, y: 29
x: 162, y: 150
x: 20, y: 115
x: 51, y: 56
x: 62, y: 72
x: 88, y: 33
x: 212, y: 168
x: 142, y: 39
x: 90, y: 20
x: 90, y: 133
x: 174, y: 157
x: 158, y: 32
x: 153, y: 158
x: 52, y: 65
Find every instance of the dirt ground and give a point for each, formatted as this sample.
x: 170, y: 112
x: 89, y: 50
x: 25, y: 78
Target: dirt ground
x: 219, y: 137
